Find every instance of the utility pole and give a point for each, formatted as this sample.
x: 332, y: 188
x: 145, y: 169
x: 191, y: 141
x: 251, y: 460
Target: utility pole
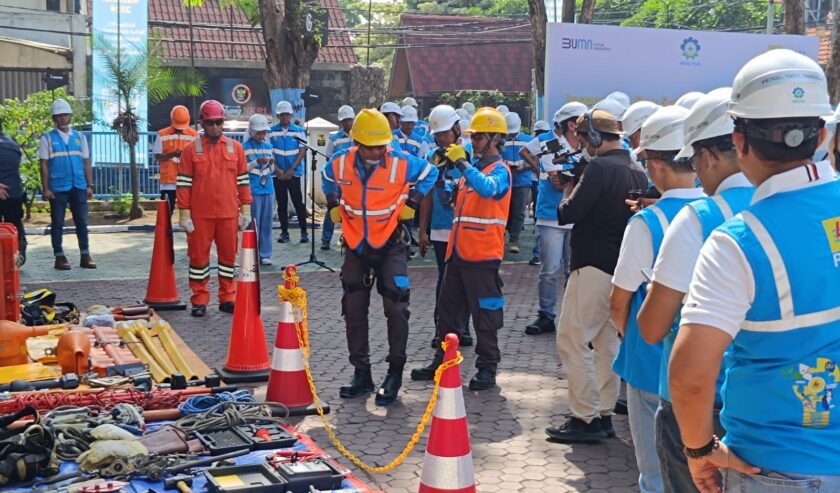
x: 370, y: 5
x: 771, y: 13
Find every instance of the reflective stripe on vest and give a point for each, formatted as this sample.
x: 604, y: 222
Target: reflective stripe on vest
x: 200, y: 150
x: 171, y: 141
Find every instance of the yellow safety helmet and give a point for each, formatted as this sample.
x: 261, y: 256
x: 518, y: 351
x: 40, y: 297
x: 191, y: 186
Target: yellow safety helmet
x: 370, y: 128
x: 487, y: 120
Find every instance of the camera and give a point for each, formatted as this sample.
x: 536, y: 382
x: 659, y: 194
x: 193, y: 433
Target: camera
x: 649, y: 193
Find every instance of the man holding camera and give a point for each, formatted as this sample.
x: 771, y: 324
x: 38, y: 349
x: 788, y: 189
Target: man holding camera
x: 597, y: 209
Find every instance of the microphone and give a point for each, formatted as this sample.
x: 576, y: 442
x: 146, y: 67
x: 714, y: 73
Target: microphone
x: 301, y: 140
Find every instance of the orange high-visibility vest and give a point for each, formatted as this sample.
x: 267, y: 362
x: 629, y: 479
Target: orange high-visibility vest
x: 370, y: 211
x: 478, y: 230
x: 172, y: 141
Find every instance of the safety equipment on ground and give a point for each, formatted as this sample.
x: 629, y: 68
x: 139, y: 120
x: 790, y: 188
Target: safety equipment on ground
x: 283, y: 107
x: 257, y: 123
x: 390, y: 107
x: 706, y: 119
x: 162, y: 290
x: 128, y: 333
x: 799, y: 88
x: 487, y: 120
x: 572, y: 109
x: 211, y: 110
x: 163, y: 331
x: 185, y: 221
x: 456, y: 152
x: 335, y: 214
x: 469, y: 108
x: 61, y: 107
x: 406, y: 214
x: 636, y: 114
x: 409, y: 101
x: 409, y: 114
x: 621, y: 97
x: 503, y: 109
x: 73, y: 352
x: 244, y: 216
x: 663, y: 131
x: 371, y: 128
x: 103, y: 452
x: 514, y: 123
x: 345, y: 113
x: 611, y: 106
x: 13, y: 338
x: 689, y: 99
x: 25, y: 452
x: 442, y: 118
x: 180, y: 117
x: 541, y: 126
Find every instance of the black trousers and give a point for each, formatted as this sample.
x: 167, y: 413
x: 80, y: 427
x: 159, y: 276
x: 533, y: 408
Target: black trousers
x: 169, y: 196
x: 477, y: 292
x: 391, y: 272
x: 11, y: 211
x: 283, y: 189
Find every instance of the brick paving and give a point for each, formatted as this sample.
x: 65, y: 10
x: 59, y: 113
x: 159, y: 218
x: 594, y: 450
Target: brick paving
x: 509, y: 447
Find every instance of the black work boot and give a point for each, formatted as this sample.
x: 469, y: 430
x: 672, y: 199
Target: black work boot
x: 198, y: 310
x: 227, y: 306
x: 576, y: 430
x: 483, y: 380
x: 389, y: 389
x: 607, y: 426
x: 542, y: 325
x: 427, y: 372
x: 361, y: 384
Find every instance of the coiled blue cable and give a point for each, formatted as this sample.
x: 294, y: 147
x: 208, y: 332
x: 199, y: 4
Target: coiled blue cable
x: 202, y: 403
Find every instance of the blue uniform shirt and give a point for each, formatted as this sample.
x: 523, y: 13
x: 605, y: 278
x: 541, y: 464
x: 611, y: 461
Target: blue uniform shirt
x: 443, y: 211
x: 510, y: 153
x: 338, y: 141
x: 286, y: 147
x: 412, y: 144
x: 259, y: 175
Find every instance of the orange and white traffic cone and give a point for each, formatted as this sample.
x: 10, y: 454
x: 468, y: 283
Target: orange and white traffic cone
x: 287, y: 382
x: 448, y: 465
x: 247, y: 359
x: 162, y: 293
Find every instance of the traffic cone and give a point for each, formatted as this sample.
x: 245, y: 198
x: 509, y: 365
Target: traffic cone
x: 162, y: 293
x: 247, y: 359
x: 448, y: 465
x: 287, y: 382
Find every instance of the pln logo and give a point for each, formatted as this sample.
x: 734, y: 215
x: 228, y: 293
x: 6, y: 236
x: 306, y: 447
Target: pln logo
x: 798, y: 95
x: 690, y: 51
x: 832, y: 233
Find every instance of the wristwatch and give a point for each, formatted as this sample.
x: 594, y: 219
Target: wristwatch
x: 704, y: 451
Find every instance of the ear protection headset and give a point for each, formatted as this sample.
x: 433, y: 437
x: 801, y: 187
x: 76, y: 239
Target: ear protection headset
x: 593, y: 136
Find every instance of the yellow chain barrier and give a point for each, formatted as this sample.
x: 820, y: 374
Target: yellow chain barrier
x: 297, y: 297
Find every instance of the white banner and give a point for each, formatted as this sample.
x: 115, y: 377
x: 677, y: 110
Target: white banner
x: 585, y: 62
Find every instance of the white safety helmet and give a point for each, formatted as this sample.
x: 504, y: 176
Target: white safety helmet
x: 780, y: 84
x: 636, y: 114
x: 621, y: 97
x: 503, y: 109
x: 469, y: 108
x: 409, y: 114
x: 663, y: 130
x: 464, y: 124
x: 514, y: 123
x: 346, y: 112
x: 442, y: 119
x: 707, y: 119
x: 390, y: 107
x: 283, y: 107
x: 689, y: 99
x: 541, y: 125
x: 462, y: 114
x: 257, y: 123
x: 61, y: 107
x: 611, y: 106
x: 409, y: 101
x: 569, y: 110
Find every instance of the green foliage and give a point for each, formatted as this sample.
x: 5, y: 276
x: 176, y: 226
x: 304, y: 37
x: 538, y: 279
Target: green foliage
x: 122, y: 205
x: 385, y: 15
x: 25, y: 122
x: 483, y: 98
x: 746, y: 15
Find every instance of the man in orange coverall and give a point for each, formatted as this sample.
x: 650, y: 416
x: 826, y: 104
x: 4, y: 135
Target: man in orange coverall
x: 214, y: 198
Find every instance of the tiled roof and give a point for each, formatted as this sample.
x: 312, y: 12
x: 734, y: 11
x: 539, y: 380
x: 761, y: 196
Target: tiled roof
x: 824, y: 35
x: 452, y: 53
x: 167, y: 20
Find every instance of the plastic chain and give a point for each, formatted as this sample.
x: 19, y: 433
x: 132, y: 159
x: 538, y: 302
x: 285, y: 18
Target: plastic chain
x: 297, y: 297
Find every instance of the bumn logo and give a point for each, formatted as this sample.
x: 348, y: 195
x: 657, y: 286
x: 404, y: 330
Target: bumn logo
x: 577, y: 44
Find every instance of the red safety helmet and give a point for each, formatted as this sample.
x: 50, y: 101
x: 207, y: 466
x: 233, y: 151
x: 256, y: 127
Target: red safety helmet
x: 211, y: 110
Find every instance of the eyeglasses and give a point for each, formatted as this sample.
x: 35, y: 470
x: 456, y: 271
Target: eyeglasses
x: 217, y: 123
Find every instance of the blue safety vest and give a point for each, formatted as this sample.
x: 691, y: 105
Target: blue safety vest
x: 286, y: 146
x: 510, y: 153
x: 410, y: 144
x: 340, y: 141
x: 443, y: 210
x: 259, y: 175
x: 638, y: 362
x: 779, y: 408
x: 548, y: 197
x: 712, y: 212
x: 67, y: 166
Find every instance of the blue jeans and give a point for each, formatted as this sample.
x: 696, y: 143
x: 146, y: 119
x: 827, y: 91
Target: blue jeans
x: 641, y: 409
x: 676, y: 477
x: 76, y: 198
x: 327, y: 229
x: 554, y: 254
x: 773, y: 482
x: 262, y: 210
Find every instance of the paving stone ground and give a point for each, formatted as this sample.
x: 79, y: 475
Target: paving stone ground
x: 507, y: 423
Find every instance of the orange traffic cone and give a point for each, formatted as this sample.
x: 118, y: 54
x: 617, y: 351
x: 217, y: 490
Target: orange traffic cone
x: 247, y: 359
x: 287, y: 382
x: 162, y: 293
x: 448, y: 465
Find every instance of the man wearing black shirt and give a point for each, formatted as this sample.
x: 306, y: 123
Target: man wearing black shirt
x: 597, y: 209
x: 11, y: 190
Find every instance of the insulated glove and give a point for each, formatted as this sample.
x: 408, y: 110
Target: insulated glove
x: 185, y: 220
x: 407, y: 213
x: 456, y: 153
x: 103, y: 452
x: 244, y: 216
x: 335, y: 215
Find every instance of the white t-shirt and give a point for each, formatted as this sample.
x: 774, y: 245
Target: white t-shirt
x: 44, y: 146
x: 534, y: 147
x: 722, y: 288
x: 681, y: 245
x: 636, y: 251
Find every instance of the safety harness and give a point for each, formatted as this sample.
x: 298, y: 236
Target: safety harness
x: 25, y: 452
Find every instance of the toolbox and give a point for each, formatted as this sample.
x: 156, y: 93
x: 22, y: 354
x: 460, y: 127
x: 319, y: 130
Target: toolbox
x: 250, y: 478
x: 319, y: 473
x: 223, y: 441
x: 279, y: 437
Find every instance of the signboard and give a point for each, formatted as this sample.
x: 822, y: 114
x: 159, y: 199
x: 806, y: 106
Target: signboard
x: 585, y: 62
x: 124, y: 23
x: 241, y: 97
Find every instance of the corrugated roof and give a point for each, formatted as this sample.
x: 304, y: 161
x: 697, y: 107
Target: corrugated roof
x: 452, y: 53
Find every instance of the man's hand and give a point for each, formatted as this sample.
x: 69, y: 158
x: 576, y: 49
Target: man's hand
x: 289, y: 174
x: 423, y: 242
x: 456, y: 153
x: 335, y: 215
x: 90, y: 192
x: 704, y: 471
x: 406, y: 214
x: 4, y: 191
x: 49, y: 195
x: 262, y: 160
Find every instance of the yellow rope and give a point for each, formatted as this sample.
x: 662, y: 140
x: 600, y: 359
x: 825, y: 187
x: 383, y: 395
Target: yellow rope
x: 297, y: 297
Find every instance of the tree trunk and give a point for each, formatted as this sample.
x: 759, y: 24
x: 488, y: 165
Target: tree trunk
x: 586, y: 11
x: 794, y: 16
x: 538, y: 16
x: 290, y: 50
x: 832, y: 70
x: 136, y: 212
x: 568, y: 11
